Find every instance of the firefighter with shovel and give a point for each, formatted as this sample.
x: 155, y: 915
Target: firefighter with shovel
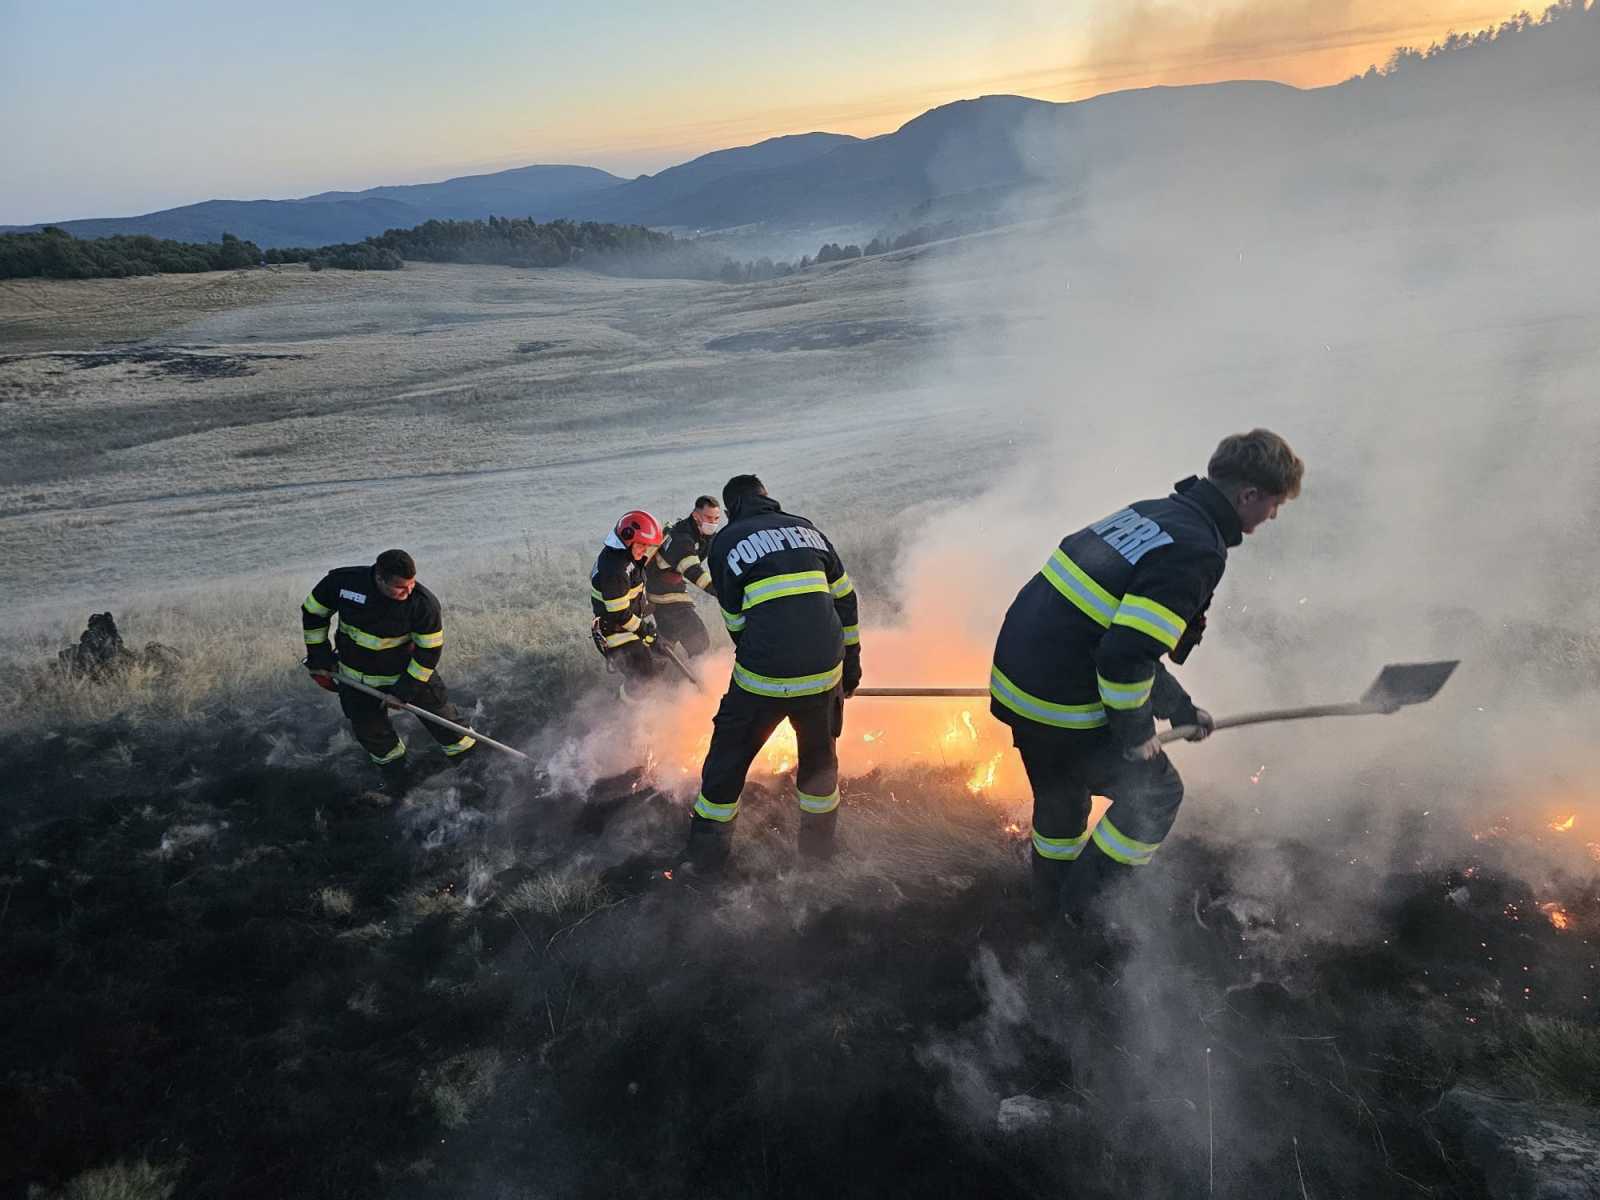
x: 385, y: 655
x: 1077, y: 668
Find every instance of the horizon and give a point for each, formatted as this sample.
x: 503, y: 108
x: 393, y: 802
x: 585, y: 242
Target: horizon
x: 69, y: 132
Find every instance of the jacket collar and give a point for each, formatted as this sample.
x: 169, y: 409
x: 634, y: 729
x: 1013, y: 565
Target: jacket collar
x: 613, y: 541
x: 1207, y: 497
x: 752, y: 506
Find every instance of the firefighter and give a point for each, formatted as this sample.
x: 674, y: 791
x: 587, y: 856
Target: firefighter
x: 1077, y: 671
x: 622, y: 630
x: 681, y: 561
x: 390, y: 637
x: 791, y: 611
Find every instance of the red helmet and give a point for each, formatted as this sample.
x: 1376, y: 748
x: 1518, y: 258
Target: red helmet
x: 639, y: 527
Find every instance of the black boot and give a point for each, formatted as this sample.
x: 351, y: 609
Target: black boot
x: 710, y: 843
x: 817, y: 835
x: 394, y: 778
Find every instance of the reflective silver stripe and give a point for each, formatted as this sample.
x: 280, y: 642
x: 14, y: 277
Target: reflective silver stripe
x: 1156, y: 620
x: 852, y: 635
x: 1025, y: 704
x: 315, y: 637
x: 399, y: 749
x: 315, y: 607
x: 371, y: 641
x: 775, y: 587
x: 417, y: 671
x: 1118, y: 845
x: 1059, y: 849
x: 841, y: 587
x: 614, y: 640
x: 370, y: 680
x: 620, y: 603
x: 784, y: 686
x: 429, y: 641
x: 715, y: 812
x: 817, y: 804
x: 1076, y: 584
x: 734, y: 621
x: 1124, y: 696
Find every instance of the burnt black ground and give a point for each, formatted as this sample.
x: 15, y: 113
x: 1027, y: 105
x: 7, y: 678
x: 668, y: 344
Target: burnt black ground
x: 847, y: 1030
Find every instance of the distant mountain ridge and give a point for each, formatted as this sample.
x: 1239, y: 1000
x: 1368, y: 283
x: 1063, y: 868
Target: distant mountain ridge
x: 975, y: 154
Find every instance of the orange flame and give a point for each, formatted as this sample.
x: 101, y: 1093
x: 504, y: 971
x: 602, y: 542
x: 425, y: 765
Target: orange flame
x: 1561, y: 826
x: 1558, y: 915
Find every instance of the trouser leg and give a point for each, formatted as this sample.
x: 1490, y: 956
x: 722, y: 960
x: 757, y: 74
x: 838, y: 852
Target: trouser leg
x: 741, y: 727
x: 1056, y: 767
x: 817, y: 722
x: 1144, y: 804
x: 681, y: 624
x: 432, y: 697
x: 369, y: 721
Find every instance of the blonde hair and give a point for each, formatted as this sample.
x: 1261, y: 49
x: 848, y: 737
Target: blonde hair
x: 1260, y: 459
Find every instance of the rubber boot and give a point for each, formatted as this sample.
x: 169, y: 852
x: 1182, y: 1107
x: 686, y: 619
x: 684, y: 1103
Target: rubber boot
x: 818, y: 840
x: 394, y: 779
x: 710, y: 843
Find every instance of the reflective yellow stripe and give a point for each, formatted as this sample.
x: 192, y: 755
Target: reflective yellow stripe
x: 785, y: 686
x: 371, y: 641
x: 852, y: 635
x: 841, y: 587
x: 1073, y: 582
x: 632, y: 623
x: 669, y: 597
x: 614, y: 640
x: 704, y: 581
x: 417, y: 671
x: 314, y: 608
x: 1059, y: 849
x: 1118, y: 845
x: 315, y: 637
x: 775, y: 587
x: 715, y: 812
x: 734, y: 621
x: 1045, y: 712
x: 429, y: 641
x: 370, y: 680
x: 1148, y: 617
x: 687, y: 561
x: 398, y: 751
x: 1124, y: 696
x: 817, y: 804
x: 461, y: 747
x: 621, y: 603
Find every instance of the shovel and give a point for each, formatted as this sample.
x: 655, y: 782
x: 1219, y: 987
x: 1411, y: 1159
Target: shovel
x: 424, y: 714
x: 1397, y: 685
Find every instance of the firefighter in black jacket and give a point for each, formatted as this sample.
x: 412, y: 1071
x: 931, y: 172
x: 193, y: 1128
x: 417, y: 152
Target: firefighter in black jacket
x: 791, y: 611
x: 680, y: 561
x: 390, y: 637
x: 1077, y: 672
x: 622, y: 631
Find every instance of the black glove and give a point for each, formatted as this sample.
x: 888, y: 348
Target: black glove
x: 320, y: 658
x: 646, y: 630
x: 405, y: 688
x: 852, y: 669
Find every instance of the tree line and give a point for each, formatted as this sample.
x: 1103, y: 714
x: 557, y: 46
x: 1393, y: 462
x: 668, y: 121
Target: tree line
x: 1406, y: 59
x: 53, y: 253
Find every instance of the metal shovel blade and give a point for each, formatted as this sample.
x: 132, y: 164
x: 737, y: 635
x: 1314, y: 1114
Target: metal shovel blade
x: 1399, y: 684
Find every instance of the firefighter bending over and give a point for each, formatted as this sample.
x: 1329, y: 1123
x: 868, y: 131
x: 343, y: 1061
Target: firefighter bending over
x: 1077, y: 671
x: 390, y: 636
x: 791, y: 611
x: 621, y: 629
x: 681, y: 560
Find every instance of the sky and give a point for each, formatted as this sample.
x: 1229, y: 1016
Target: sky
x: 112, y: 109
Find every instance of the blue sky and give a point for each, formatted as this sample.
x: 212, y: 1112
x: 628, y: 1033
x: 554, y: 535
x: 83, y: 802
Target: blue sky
x: 116, y: 108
